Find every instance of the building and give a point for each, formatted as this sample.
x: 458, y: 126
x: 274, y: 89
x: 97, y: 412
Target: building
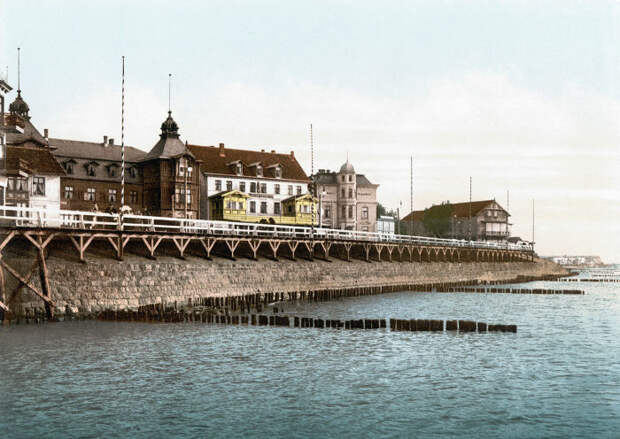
x: 253, y: 186
x: 32, y: 173
x: 478, y: 220
x: 171, y: 176
x: 385, y: 224
x: 347, y: 200
x: 155, y: 182
x: 92, y: 179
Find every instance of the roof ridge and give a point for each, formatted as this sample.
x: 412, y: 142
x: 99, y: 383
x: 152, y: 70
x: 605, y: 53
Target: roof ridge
x: 226, y: 148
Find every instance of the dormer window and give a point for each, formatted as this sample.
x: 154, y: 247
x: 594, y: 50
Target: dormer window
x: 91, y: 168
x: 132, y: 171
x: 259, y: 171
x: 113, y: 170
x: 277, y: 172
x: 69, y: 166
x: 239, y: 169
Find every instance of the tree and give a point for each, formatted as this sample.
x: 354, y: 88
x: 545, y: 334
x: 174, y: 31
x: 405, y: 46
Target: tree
x: 381, y: 211
x: 437, y: 219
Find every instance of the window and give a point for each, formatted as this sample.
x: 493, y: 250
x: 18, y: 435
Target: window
x: 298, y: 190
x: 178, y: 194
x: 350, y: 178
x: 263, y: 207
x: 188, y: 197
x: 259, y: 171
x: 90, y: 194
x: 253, y: 187
x: 133, y: 197
x: 364, y: 213
x: 350, y: 211
x: 239, y: 169
x: 242, y: 186
x: 290, y: 208
x: 183, y: 168
x: 69, y: 167
x: 263, y: 188
x: 276, y: 189
x: 228, y: 185
x: 350, y: 192
x: 218, y: 185
x: 38, y: 185
x: 278, y: 172
x: 290, y: 189
x: 343, y: 178
x: 112, y: 171
x: 68, y: 193
x: 90, y: 169
x: 306, y: 209
x: 276, y: 208
x: 132, y: 171
x: 252, y: 206
x: 365, y: 229
x: 326, y: 212
x: 342, y: 192
x: 112, y: 195
x: 344, y: 211
x: 495, y: 213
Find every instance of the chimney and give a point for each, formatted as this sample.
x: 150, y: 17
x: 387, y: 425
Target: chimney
x: 273, y: 151
x: 262, y: 150
x: 292, y: 153
x: 222, y: 154
x: 111, y: 141
x: 46, y: 133
x: 105, y: 140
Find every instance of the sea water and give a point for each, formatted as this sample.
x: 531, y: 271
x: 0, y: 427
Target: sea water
x: 557, y: 377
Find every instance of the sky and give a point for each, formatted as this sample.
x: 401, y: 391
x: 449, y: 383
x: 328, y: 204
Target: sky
x: 521, y: 96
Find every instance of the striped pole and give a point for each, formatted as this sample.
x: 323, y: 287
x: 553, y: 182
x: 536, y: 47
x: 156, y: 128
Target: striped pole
x: 123, y: 141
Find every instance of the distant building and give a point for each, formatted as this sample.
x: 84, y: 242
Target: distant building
x: 347, y: 200
x: 253, y: 186
x: 478, y: 220
x: 385, y: 224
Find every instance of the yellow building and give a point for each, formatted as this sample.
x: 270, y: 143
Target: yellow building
x: 235, y: 206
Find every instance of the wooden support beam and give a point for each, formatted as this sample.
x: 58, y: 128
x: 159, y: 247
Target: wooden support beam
x: 207, y: 244
x: 275, y: 245
x: 45, y: 282
x: 254, y: 245
x: 181, y: 244
x: 232, y: 245
x: 292, y: 245
x: 18, y: 276
x: 7, y: 239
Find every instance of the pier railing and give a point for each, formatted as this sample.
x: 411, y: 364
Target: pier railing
x: 29, y: 217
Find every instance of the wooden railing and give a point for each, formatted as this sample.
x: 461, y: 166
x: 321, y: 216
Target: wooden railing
x: 16, y: 217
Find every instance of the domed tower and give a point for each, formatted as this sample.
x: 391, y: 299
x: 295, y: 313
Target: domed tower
x: 170, y: 175
x: 347, y: 197
x: 19, y: 107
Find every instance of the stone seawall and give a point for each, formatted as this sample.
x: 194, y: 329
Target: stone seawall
x: 104, y: 283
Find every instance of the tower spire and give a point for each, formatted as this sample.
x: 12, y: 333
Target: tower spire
x: 169, y: 92
x: 19, y: 88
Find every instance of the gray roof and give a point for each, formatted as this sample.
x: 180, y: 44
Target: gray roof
x: 30, y: 134
x: 361, y: 180
x: 330, y: 178
x: 166, y: 148
x: 94, y: 151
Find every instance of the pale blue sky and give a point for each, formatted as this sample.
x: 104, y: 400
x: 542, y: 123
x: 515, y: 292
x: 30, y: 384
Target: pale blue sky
x: 521, y: 95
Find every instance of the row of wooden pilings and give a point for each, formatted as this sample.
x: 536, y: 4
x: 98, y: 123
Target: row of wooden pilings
x: 258, y: 301
x: 513, y: 291
x: 605, y: 280
x: 204, y: 316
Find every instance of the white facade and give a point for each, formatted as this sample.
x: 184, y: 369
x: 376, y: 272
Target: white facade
x: 385, y: 224
x: 266, y: 194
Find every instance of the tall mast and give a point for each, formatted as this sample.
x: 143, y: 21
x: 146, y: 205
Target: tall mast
x: 123, y: 139
x: 469, y: 208
x: 313, y: 182
x: 411, y: 197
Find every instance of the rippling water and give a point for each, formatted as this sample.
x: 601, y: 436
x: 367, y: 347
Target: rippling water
x: 557, y: 377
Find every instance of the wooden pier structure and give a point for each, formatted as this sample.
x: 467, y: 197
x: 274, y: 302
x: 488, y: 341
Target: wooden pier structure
x: 37, y: 228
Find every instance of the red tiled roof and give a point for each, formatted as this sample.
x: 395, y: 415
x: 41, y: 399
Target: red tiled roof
x: 214, y: 163
x: 460, y: 210
x: 38, y: 160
